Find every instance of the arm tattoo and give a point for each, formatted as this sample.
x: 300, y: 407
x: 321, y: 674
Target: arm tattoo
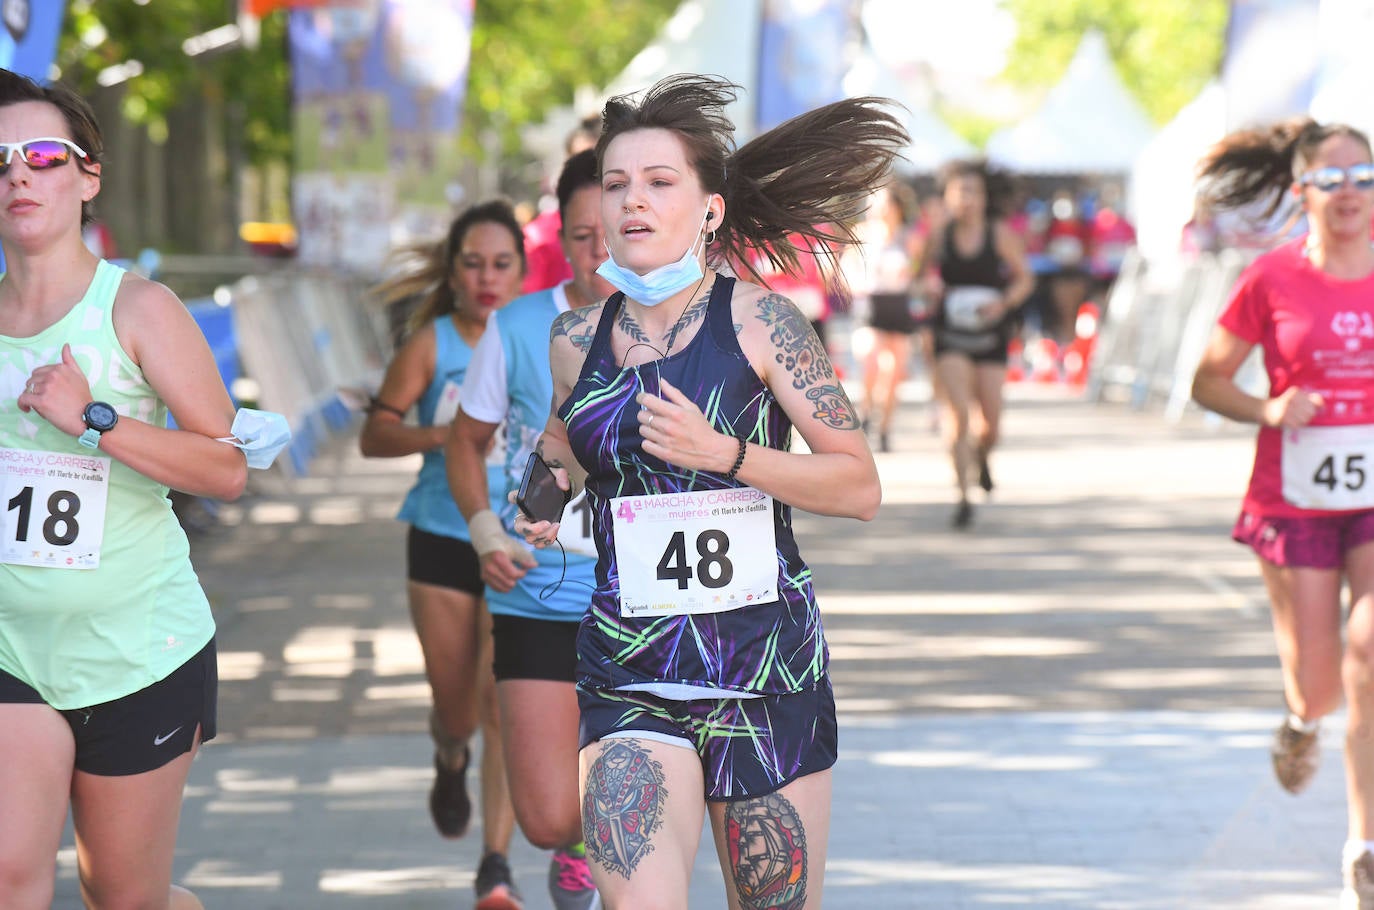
x: 832, y: 406
x: 767, y: 853
x: 551, y: 462
x: 798, y: 348
x: 623, y: 805
x: 575, y: 326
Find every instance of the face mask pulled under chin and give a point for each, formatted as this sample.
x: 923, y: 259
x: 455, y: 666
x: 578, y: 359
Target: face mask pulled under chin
x: 261, y: 435
x: 658, y: 284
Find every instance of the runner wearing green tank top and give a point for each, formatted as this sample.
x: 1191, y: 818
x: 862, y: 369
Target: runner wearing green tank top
x: 107, y: 661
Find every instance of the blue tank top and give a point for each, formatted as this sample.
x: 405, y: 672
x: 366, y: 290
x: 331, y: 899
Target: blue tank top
x: 429, y: 505
x: 763, y: 649
x: 559, y: 587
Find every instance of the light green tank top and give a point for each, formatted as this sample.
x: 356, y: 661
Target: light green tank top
x: 83, y: 636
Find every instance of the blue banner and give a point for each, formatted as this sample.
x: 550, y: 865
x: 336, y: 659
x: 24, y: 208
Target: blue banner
x: 805, y: 49
x: 379, y: 87
x: 28, y: 39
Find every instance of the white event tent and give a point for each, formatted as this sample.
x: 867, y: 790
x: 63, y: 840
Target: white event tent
x: 1089, y: 122
x: 721, y: 37
x: 1162, y: 185
x: 713, y: 37
x: 932, y: 141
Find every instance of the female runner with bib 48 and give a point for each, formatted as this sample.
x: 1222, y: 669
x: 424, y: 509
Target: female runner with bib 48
x: 675, y: 403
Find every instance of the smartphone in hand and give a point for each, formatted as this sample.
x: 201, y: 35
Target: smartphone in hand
x: 540, y: 497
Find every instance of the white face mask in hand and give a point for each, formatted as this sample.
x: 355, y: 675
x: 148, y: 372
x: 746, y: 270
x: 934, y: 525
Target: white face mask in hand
x: 260, y: 434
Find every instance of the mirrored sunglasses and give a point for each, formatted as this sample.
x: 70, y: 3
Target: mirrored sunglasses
x: 40, y: 154
x: 1330, y: 179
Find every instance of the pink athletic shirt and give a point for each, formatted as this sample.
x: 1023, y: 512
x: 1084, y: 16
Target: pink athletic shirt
x: 1317, y: 332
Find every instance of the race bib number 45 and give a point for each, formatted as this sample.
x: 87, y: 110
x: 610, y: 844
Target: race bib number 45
x: 706, y: 551
x: 1329, y: 468
x: 54, y: 508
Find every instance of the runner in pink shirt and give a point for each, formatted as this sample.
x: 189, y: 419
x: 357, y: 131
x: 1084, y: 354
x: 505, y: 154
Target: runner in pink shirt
x: 1309, y: 511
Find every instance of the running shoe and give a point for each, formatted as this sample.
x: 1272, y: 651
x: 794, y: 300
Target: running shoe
x: 963, y: 515
x: 570, y: 882
x: 984, y: 475
x: 1295, y: 755
x: 1358, y: 893
x: 449, y: 803
x: 495, y: 888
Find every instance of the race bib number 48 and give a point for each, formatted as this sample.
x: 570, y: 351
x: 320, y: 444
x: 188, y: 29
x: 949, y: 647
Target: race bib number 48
x: 54, y: 508
x: 706, y: 551
x: 1329, y: 468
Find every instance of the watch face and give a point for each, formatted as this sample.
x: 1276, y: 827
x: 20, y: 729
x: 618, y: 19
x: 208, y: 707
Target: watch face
x: 100, y: 416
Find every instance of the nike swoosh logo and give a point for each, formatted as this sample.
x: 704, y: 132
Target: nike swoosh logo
x: 159, y: 740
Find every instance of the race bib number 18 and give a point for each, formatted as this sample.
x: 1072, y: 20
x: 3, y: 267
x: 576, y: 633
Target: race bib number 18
x: 1329, y: 468
x: 706, y: 551
x: 53, y: 508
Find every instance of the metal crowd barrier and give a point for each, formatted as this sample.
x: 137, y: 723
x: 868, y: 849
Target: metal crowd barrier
x: 1158, y: 320
x: 305, y: 338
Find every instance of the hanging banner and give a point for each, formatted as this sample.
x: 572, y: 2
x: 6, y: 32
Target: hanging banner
x: 28, y: 39
x: 805, y: 49
x: 1272, y: 54
x: 379, y: 88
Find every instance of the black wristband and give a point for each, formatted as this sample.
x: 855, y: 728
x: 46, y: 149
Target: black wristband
x: 739, y: 459
x: 375, y: 404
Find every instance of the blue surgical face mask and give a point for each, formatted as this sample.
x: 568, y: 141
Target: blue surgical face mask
x: 260, y: 434
x: 660, y: 283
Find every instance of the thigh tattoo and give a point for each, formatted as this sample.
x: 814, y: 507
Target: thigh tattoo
x: 623, y: 805
x: 767, y: 847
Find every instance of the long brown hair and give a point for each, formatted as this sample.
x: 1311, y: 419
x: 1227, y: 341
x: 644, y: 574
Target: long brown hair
x: 1251, y: 164
x: 425, y: 268
x: 809, y: 176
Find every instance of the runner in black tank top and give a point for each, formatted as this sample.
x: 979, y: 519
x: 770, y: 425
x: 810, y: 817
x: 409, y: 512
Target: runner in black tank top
x: 702, y: 678
x: 979, y: 293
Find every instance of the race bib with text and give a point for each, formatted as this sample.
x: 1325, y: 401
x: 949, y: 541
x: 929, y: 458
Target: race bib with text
x: 54, y: 508
x: 1329, y: 468
x: 706, y: 551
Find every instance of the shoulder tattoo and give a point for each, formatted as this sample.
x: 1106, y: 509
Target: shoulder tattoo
x: 576, y: 327
x: 622, y: 807
x: 797, y: 348
x: 767, y: 853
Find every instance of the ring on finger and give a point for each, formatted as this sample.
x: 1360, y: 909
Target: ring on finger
x: 650, y: 420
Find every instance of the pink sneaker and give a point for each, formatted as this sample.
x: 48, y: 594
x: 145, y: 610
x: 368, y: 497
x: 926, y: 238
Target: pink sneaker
x: 570, y: 882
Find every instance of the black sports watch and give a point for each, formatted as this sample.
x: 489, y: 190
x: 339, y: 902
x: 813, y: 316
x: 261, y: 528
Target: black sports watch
x: 100, y: 418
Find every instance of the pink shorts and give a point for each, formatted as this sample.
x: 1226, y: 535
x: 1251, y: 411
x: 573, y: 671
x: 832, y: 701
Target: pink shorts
x: 1317, y: 542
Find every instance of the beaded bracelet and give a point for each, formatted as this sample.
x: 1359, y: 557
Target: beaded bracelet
x: 739, y: 460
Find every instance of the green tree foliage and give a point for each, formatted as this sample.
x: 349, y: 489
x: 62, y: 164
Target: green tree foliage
x: 98, y: 35
x: 1165, y: 50
x: 529, y: 57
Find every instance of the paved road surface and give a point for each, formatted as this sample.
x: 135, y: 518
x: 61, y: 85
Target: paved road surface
x: 1067, y: 707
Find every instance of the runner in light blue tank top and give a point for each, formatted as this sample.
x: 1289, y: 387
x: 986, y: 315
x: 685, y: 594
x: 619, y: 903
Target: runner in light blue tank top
x: 560, y: 585
x: 429, y: 505
x: 535, y: 604
x: 472, y: 273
